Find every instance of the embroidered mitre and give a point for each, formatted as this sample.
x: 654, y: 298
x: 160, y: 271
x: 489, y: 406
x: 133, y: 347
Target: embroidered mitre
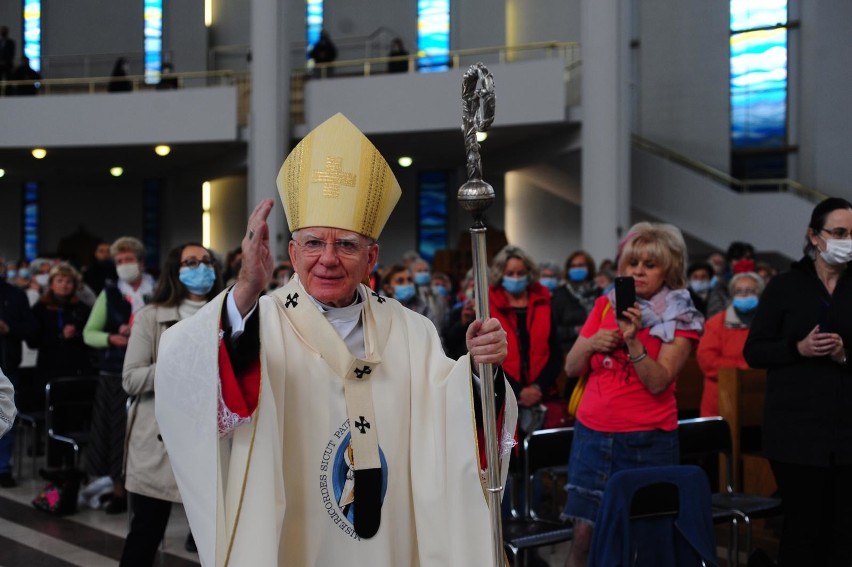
x: 336, y: 178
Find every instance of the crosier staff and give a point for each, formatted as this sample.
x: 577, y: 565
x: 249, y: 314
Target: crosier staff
x: 475, y: 196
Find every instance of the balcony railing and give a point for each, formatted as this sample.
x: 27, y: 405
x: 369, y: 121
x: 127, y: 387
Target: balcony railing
x: 741, y: 185
x: 568, y: 52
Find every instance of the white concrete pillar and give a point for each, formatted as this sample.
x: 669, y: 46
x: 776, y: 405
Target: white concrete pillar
x: 269, y: 125
x: 606, y: 126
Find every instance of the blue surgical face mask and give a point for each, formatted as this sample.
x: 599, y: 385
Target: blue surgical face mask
x: 403, y: 293
x: 549, y: 283
x: 25, y: 274
x: 578, y: 274
x: 10, y: 274
x: 745, y: 304
x: 440, y: 290
x: 422, y: 278
x: 515, y: 286
x: 713, y: 281
x: 198, y: 280
x: 699, y: 286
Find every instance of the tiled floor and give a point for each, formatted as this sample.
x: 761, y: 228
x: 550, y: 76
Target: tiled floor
x: 89, y: 538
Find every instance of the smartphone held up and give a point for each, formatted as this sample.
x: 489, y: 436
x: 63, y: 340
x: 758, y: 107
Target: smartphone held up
x: 625, y: 294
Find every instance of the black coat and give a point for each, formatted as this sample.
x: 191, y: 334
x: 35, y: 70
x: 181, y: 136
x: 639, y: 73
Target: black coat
x: 57, y: 355
x: 569, y: 315
x: 808, y: 408
x: 15, y: 312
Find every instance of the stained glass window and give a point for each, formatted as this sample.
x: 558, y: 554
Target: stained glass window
x: 153, y: 40
x: 433, y: 34
x: 30, y: 220
x: 758, y: 89
x: 314, y: 23
x: 432, y: 213
x: 32, y: 32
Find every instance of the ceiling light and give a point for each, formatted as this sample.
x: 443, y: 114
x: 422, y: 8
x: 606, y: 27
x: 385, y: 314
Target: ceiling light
x: 481, y: 136
x: 2, y: 172
x: 116, y: 171
x: 39, y: 153
x: 162, y: 150
x: 405, y: 161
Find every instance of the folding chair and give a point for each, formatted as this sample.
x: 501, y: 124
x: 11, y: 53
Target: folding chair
x: 542, y: 449
x: 68, y: 412
x: 712, y: 436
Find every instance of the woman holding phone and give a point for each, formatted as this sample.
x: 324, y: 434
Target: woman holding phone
x: 628, y: 415
x: 801, y: 334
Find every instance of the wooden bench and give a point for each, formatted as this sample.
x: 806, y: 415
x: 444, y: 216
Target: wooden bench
x: 741, y: 397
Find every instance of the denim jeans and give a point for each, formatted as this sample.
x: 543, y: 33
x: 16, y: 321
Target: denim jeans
x: 596, y: 456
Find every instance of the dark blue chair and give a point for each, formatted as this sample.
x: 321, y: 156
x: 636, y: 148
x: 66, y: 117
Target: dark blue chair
x: 655, y: 517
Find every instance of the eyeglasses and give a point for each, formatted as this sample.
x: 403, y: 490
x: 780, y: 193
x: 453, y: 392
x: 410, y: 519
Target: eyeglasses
x: 194, y: 262
x: 315, y: 247
x: 838, y: 233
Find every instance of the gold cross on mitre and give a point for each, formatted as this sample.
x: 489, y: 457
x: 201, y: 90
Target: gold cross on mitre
x: 333, y: 177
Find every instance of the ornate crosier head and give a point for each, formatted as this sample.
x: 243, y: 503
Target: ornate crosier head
x: 478, y: 100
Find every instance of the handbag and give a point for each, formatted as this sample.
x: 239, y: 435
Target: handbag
x: 577, y: 395
x: 580, y: 388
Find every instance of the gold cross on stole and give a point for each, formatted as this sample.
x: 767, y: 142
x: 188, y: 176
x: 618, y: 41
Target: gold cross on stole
x: 333, y: 177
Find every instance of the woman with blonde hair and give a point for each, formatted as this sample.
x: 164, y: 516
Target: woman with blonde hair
x: 627, y: 417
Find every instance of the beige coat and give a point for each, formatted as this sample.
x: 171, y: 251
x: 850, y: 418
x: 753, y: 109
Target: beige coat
x: 147, y: 467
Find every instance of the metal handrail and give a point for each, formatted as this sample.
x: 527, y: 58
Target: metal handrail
x: 783, y: 185
x: 99, y: 84
x: 506, y: 53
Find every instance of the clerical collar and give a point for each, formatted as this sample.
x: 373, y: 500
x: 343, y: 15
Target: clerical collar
x: 356, y: 302
x: 347, y: 322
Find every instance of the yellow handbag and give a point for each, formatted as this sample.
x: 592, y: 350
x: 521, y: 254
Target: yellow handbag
x: 577, y: 395
x: 580, y: 388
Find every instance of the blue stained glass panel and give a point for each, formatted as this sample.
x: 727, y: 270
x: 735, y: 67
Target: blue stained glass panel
x: 153, y: 32
x: 432, y: 213
x: 433, y: 35
x: 314, y: 23
x: 30, y: 220
x: 759, y: 89
x: 751, y: 14
x: 32, y: 32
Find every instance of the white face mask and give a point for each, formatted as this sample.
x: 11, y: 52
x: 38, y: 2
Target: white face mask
x: 128, y: 273
x: 42, y: 279
x: 837, y: 252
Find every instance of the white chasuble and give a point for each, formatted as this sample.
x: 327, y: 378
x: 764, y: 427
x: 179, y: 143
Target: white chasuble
x: 280, y: 491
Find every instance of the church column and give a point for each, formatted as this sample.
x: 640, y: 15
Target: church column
x: 606, y: 126
x: 269, y: 123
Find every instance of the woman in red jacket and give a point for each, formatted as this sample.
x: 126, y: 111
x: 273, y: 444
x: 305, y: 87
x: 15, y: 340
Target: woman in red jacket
x: 725, y: 335
x: 522, y: 305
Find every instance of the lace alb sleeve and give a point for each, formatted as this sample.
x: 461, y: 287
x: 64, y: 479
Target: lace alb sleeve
x: 228, y: 421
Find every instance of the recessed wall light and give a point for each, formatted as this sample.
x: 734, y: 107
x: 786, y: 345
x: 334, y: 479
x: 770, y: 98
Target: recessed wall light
x: 481, y: 136
x: 405, y: 161
x: 2, y: 172
x: 116, y: 171
x: 162, y: 150
x: 39, y: 153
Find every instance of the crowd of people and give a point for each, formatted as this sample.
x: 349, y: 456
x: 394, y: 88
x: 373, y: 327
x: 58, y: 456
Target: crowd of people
x: 559, y: 323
